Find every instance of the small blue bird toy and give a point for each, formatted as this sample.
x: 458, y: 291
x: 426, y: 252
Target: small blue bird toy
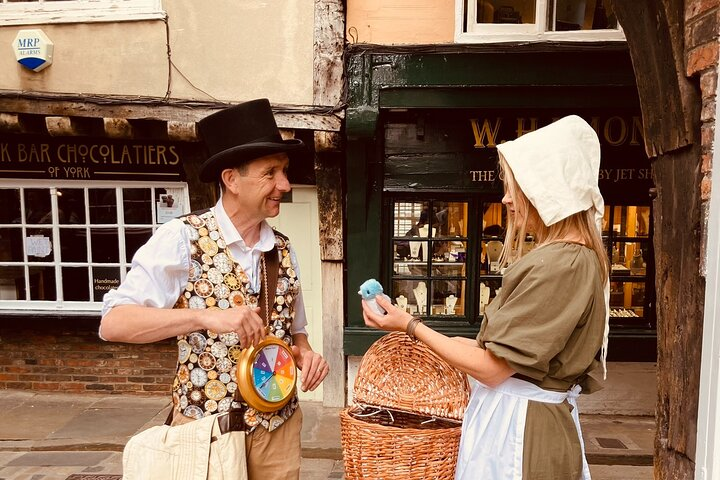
x: 369, y: 290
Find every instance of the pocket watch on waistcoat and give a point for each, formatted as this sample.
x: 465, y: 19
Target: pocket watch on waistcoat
x: 266, y: 375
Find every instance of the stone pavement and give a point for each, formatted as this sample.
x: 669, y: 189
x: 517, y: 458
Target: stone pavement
x: 75, y: 437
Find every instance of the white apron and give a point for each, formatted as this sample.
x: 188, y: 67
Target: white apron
x: 491, y: 445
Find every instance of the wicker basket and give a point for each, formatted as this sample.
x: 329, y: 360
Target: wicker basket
x: 406, y: 420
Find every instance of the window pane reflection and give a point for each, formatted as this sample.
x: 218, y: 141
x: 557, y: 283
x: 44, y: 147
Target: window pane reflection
x: 76, y: 286
x: 73, y: 245
x: 11, y: 245
x: 137, y: 205
x: 42, y: 283
x: 506, y: 11
x: 37, y: 206
x: 103, y: 206
x: 104, y: 245
x: 71, y: 206
x: 10, y: 200
x: 134, y: 239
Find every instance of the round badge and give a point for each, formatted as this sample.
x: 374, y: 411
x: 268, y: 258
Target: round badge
x: 196, y: 396
x: 222, y: 262
x: 221, y: 243
x: 215, y: 390
x: 267, y: 375
x: 183, y: 374
x: 222, y: 291
x: 282, y: 286
x: 193, y: 411
x: 215, y: 235
x: 234, y: 353
x: 215, y: 276
x: 203, y: 232
x: 195, y: 221
x: 211, y: 223
x: 211, y: 406
x: 206, y: 259
x: 184, y: 351
x: 212, y: 375
x: 183, y: 402
x: 192, y: 233
x: 195, y: 270
x: 224, y: 404
x: 224, y: 365
x: 286, y: 262
x: 219, y: 350
x: 280, y: 242
x: 223, y: 303
x: 203, y: 288
x: 232, y: 386
x: 208, y: 246
x: 196, y: 302
x: 225, y: 378
x: 236, y: 299
x: 232, y: 281
x: 206, y: 361
x: 198, y: 377
x: 197, y: 342
x: 210, y: 301
x: 230, y: 338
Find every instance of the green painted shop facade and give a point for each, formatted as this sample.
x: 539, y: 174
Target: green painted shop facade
x: 423, y: 194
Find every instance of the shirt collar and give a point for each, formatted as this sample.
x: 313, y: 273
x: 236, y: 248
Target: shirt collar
x: 232, y: 236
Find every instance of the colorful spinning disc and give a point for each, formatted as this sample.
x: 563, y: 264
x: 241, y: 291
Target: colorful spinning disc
x: 267, y: 375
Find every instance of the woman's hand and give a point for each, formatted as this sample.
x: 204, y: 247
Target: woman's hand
x: 394, y: 320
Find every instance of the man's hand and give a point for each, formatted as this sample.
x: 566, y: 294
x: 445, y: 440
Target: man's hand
x: 313, y: 366
x: 244, y: 321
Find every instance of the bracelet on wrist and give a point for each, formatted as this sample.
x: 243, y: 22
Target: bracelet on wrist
x: 411, y: 326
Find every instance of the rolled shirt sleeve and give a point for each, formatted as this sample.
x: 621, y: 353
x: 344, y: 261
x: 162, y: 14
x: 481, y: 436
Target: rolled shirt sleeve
x: 159, y: 271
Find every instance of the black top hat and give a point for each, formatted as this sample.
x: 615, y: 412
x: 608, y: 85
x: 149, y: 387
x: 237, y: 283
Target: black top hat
x: 241, y: 133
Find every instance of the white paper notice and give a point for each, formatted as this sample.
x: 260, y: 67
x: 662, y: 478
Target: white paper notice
x: 38, y: 246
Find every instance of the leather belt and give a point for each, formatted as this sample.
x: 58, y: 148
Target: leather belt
x: 232, y: 421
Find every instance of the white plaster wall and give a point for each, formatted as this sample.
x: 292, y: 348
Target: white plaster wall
x: 127, y: 58
x: 243, y: 50
x: 227, y: 50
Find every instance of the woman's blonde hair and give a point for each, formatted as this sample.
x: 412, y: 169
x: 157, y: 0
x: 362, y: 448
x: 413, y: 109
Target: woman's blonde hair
x: 580, y: 224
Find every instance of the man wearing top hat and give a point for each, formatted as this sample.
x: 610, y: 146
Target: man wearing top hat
x: 202, y: 278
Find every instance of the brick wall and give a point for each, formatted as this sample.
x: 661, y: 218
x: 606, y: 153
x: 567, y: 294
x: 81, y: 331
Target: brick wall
x: 65, y: 355
x: 701, y: 46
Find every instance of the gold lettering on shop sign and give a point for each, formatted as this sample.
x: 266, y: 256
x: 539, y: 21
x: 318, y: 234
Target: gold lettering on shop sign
x: 485, y: 131
x: 483, y: 175
x: 613, y: 131
x: 61, y: 158
x: 521, y: 130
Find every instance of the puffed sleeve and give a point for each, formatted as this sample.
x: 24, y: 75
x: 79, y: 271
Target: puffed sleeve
x: 545, y: 304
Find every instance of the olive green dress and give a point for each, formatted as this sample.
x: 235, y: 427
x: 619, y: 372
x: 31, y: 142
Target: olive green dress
x: 548, y: 323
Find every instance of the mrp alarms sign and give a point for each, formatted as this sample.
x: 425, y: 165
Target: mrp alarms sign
x: 33, y: 49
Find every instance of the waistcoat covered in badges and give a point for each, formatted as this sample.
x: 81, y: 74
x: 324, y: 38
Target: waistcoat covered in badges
x: 205, y: 382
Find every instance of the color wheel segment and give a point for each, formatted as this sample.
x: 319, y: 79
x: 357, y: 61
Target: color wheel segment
x: 273, y: 373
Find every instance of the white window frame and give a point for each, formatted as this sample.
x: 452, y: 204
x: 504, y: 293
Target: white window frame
x: 527, y: 32
x: 79, y: 11
x: 123, y: 264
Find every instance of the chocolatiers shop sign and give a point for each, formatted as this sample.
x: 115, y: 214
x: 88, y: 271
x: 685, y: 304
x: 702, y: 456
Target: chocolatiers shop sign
x: 24, y: 156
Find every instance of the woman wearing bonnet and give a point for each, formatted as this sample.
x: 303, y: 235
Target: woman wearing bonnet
x: 536, y: 348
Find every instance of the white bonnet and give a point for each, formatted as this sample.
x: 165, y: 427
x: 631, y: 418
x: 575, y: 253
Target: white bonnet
x: 557, y: 168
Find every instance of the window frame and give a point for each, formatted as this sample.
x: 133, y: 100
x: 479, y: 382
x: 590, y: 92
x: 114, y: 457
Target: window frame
x: 79, y: 11
x: 123, y: 263
x: 467, y: 32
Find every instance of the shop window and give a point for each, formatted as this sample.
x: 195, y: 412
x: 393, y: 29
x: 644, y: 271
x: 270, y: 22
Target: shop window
x: 529, y: 20
x: 64, y: 246
x: 14, y: 12
x: 627, y: 236
x: 430, y: 244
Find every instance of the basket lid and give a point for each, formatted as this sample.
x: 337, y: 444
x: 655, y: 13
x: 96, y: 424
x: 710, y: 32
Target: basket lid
x: 401, y: 374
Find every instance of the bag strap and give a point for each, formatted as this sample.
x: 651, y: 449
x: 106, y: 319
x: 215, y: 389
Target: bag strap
x: 272, y: 265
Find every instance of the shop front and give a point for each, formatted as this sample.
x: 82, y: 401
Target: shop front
x: 74, y: 211
x: 428, y: 221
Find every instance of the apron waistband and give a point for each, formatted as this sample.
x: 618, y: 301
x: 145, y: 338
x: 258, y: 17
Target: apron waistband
x: 529, y: 391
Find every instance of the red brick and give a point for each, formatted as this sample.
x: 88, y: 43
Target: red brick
x: 701, y: 58
x: 50, y: 386
x: 707, y: 133
x: 694, y: 8
x: 8, y: 377
x: 705, y: 188
x: 706, y: 166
